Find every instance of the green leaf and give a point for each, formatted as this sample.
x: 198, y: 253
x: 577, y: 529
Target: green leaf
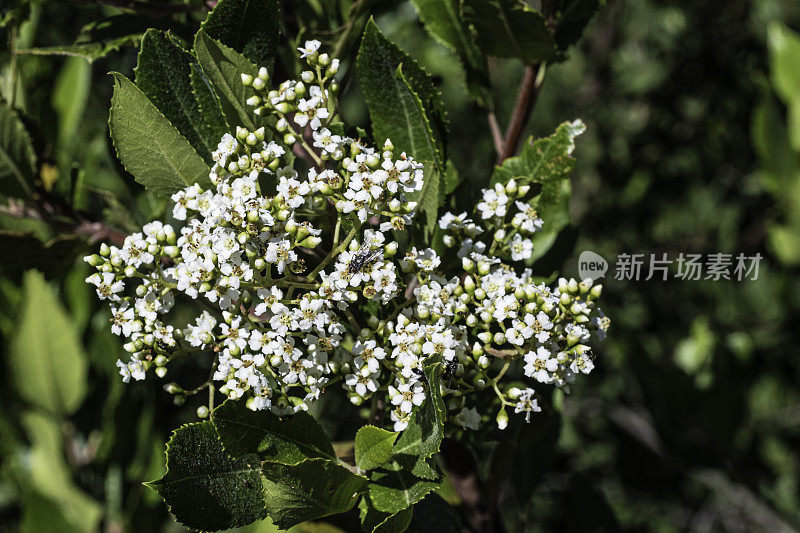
x: 149, y: 147
x: 552, y: 204
x: 444, y: 21
x: 224, y: 68
x: 543, y: 160
x: 289, y: 440
x: 373, y: 447
x: 251, y: 27
x: 310, y: 489
x: 46, y: 359
x: 571, y: 19
x: 163, y: 73
x: 425, y: 431
x: 23, y: 249
x: 208, y: 102
x: 70, y: 95
x: 779, y: 162
x: 380, y: 522
x: 204, y: 487
x: 784, y: 54
x: 17, y: 157
x: 509, y: 28
x: 100, y: 38
x: 392, y: 491
x: 429, y: 197
x: 392, y: 111
x: 47, y: 472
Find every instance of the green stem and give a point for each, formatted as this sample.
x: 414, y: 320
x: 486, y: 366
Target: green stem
x: 13, y: 70
x: 335, y: 252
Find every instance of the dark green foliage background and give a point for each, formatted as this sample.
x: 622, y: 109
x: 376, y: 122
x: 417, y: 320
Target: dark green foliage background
x: 692, y: 417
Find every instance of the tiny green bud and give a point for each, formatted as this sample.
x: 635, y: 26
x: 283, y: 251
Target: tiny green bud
x: 502, y: 419
x: 202, y: 411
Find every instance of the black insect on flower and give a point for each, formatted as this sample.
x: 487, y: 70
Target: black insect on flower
x: 450, y: 371
x: 365, y: 256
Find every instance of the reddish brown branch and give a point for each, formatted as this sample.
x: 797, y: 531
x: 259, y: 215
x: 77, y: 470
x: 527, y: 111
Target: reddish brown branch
x: 497, y: 135
x: 526, y: 98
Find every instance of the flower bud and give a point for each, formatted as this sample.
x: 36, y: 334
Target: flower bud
x: 596, y: 291
x: 502, y: 419
x: 202, y: 412
x: 468, y: 264
x: 289, y: 139
x: 511, y: 187
x: 312, y: 241
x: 247, y: 80
x: 94, y: 260
x: 259, y: 84
x: 161, y: 371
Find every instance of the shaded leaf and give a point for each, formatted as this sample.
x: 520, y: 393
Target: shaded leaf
x: 224, y: 68
x: 310, y: 489
x: 208, y: 102
x: 23, y: 250
x: 380, y: 522
x: 46, y: 357
x: 251, y: 27
x: 70, y: 95
x: 509, y: 28
x: 444, y: 21
x: 434, y: 514
x: 204, y: 487
x: 149, y: 147
x: 17, y: 156
x: 100, y: 38
x: 571, y: 19
x: 288, y: 440
x: 392, y: 491
x: 784, y: 54
x: 48, y: 473
x: 163, y: 73
x: 373, y: 447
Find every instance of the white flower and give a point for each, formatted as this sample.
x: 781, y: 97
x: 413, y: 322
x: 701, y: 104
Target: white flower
x: 309, y: 48
x: 521, y: 248
x: 527, y: 404
x: 468, y: 418
x: 494, y: 203
x: 108, y: 287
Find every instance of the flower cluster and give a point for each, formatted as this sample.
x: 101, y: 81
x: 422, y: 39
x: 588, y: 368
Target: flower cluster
x: 292, y: 280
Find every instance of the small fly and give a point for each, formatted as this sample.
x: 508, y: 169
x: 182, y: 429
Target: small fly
x: 362, y: 258
x: 450, y: 371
